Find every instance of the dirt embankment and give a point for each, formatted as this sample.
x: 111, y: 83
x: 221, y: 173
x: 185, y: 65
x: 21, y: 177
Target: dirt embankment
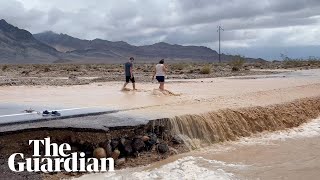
x: 137, y: 146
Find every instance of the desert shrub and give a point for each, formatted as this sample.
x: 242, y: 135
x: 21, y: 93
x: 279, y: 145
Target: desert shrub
x: 46, y: 69
x: 4, y: 67
x: 292, y: 63
x: 297, y: 63
x: 74, y: 68
x: 206, y: 69
x: 313, y: 61
x: 26, y: 72
x: 37, y: 66
x: 179, y: 66
x: 284, y: 57
x: 238, y: 63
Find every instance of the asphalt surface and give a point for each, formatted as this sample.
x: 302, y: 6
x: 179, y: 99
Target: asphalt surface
x: 14, y: 117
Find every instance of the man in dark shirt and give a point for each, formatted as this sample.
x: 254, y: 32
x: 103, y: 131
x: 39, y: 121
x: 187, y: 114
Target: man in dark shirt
x: 128, y: 68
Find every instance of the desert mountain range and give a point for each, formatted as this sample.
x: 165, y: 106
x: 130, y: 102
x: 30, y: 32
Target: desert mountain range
x: 19, y: 46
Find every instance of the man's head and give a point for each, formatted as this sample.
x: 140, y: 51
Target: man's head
x: 131, y: 59
x: 161, y: 61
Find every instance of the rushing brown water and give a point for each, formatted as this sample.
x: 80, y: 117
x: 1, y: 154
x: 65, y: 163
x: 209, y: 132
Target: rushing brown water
x: 223, y: 125
x: 274, y: 137
x: 286, y: 154
x: 273, y: 142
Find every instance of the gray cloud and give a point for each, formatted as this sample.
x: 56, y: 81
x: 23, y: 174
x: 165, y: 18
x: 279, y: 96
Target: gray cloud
x: 247, y: 23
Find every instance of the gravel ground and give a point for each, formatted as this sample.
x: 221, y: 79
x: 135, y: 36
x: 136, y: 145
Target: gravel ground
x: 73, y: 74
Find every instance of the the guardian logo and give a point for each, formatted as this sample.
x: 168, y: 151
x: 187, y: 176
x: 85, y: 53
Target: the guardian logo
x: 56, y: 159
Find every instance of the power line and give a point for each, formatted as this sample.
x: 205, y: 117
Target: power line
x: 219, y: 30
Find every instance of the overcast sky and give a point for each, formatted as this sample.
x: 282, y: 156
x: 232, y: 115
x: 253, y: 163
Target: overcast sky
x: 259, y: 28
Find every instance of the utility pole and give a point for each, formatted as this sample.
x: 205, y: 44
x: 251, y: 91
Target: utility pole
x: 219, y: 30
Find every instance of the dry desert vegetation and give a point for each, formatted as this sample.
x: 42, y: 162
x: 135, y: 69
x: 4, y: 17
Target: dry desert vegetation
x: 77, y: 74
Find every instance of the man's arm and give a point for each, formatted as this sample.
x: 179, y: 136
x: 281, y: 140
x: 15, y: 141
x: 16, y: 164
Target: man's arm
x: 131, y: 71
x: 164, y: 69
x: 154, y: 73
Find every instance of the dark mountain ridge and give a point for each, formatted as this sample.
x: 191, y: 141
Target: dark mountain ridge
x: 98, y: 48
x: 20, y: 46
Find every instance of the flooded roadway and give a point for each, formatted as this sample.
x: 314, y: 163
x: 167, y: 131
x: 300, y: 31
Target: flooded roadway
x: 148, y: 103
x: 291, y: 154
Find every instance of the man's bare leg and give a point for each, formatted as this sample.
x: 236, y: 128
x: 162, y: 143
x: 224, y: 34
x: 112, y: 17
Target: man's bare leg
x: 134, y: 86
x: 161, y: 87
x: 124, y: 86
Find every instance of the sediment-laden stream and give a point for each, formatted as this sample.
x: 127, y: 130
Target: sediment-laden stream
x: 230, y: 124
x: 159, y: 139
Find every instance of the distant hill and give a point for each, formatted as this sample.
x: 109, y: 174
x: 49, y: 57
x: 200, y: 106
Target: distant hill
x: 102, y: 49
x: 61, y: 42
x: 117, y: 50
x: 19, y: 46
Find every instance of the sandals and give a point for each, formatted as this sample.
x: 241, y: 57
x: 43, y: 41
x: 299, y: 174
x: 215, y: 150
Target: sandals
x: 53, y: 113
x: 45, y: 113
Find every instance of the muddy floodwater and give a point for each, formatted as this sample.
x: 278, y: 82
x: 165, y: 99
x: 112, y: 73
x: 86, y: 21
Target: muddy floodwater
x: 291, y: 154
x: 182, y: 95
x: 250, y: 127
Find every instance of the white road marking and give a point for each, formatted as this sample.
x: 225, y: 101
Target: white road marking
x: 22, y: 114
x: 10, y: 115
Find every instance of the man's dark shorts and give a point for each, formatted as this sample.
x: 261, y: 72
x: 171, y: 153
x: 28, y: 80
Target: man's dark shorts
x: 128, y: 78
x: 160, y: 78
